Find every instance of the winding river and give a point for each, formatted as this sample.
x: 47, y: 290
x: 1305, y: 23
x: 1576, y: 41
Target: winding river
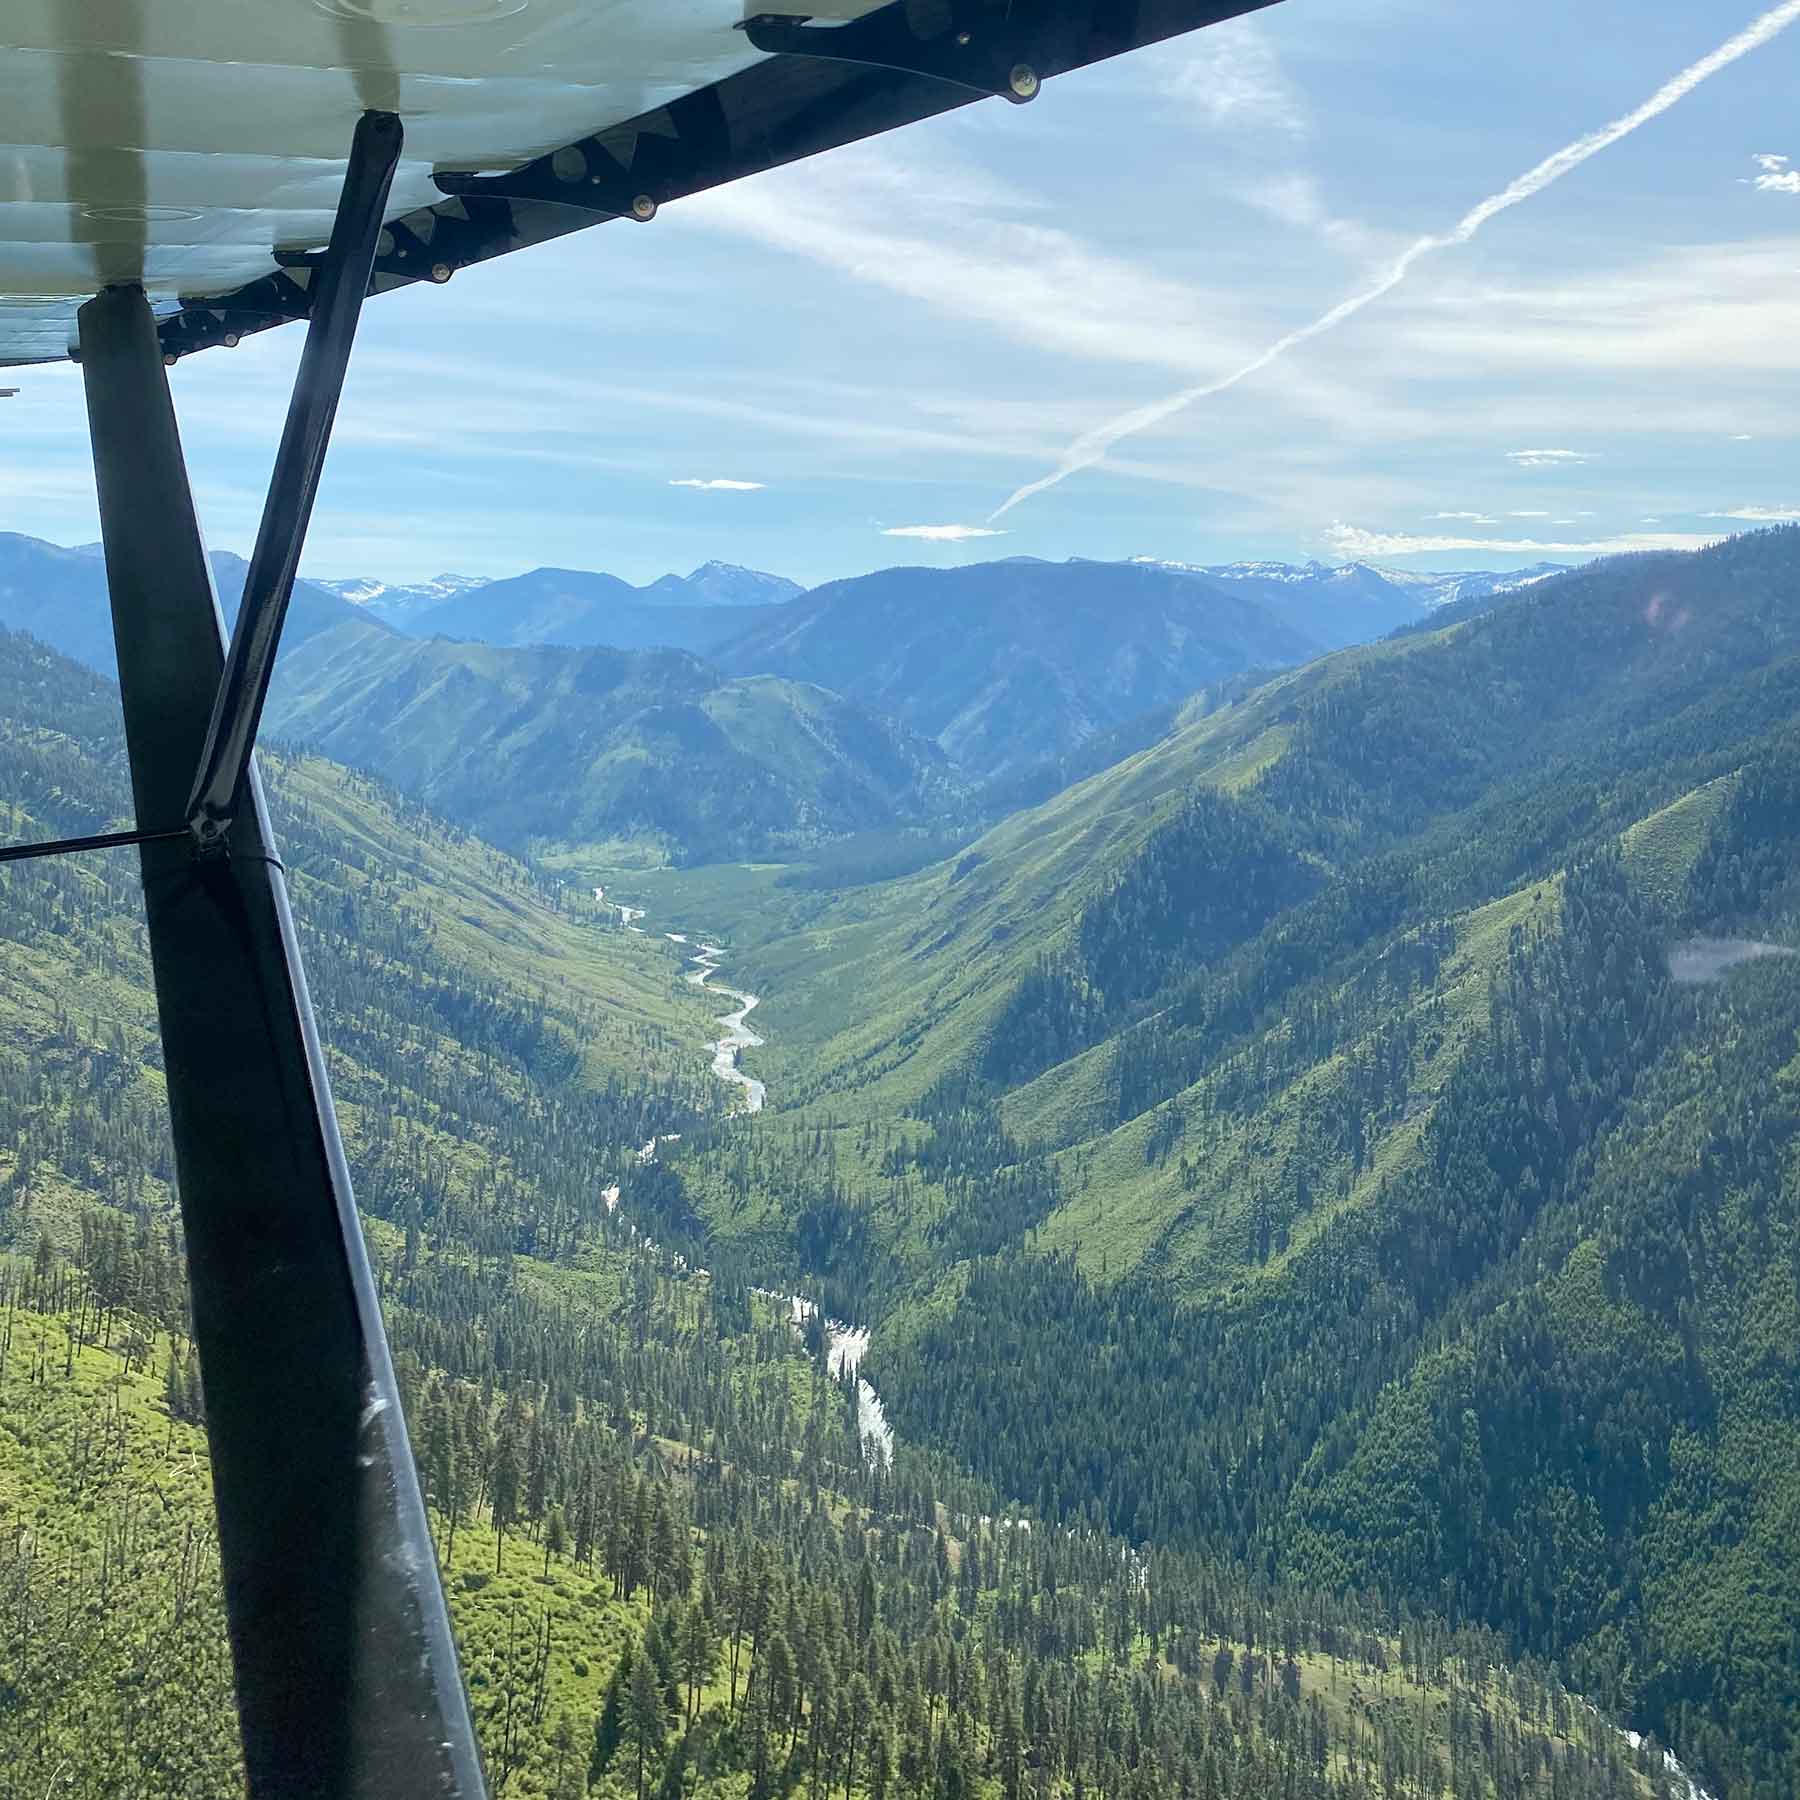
x: 738, y: 1036
x: 845, y: 1345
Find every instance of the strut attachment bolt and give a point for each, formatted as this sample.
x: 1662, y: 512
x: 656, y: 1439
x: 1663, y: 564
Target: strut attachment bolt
x: 1024, y: 81
x: 643, y: 209
x: 440, y: 272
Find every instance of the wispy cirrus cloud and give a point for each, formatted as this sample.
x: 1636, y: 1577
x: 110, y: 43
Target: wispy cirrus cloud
x: 720, y: 486
x: 1234, y: 81
x: 1548, y: 459
x: 941, y: 534
x: 1295, y: 198
x: 1778, y: 176
x: 1465, y: 518
x: 1092, y: 446
x: 879, y: 220
x: 1353, y: 541
x: 1758, y: 515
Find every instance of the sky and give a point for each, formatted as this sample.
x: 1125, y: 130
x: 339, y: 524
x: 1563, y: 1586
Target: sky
x: 872, y: 357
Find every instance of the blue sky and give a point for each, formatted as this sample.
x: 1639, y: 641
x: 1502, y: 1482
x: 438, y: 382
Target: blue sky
x: 903, y: 335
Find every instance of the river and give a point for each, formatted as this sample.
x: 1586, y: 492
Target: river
x: 845, y: 1345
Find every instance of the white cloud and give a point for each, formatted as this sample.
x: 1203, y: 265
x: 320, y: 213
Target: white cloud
x: 1726, y: 308
x: 1092, y: 446
x: 1354, y: 542
x: 1548, y: 459
x: 1757, y: 515
x: 1467, y: 518
x: 1777, y: 176
x: 1234, y: 81
x: 877, y: 218
x: 941, y: 534
x: 1528, y: 515
x: 1295, y: 199
x: 1740, y: 437
x: 721, y: 486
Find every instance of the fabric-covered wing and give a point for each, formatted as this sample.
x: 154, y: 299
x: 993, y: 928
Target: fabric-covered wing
x: 199, y: 148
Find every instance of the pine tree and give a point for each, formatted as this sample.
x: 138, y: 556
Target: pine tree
x: 174, y: 1388
x: 644, y: 1720
x: 503, y: 1487
x: 699, y: 1650
x: 609, y: 1724
x: 556, y: 1536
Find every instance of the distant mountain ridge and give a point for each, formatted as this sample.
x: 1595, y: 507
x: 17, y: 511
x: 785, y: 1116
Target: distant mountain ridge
x: 545, y: 742
x: 394, y: 602
x: 1339, y: 604
x: 1006, y: 663
x: 60, y: 597
x: 1330, y: 604
x: 568, y: 606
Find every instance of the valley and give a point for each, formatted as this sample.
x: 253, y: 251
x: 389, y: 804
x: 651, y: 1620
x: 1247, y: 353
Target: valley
x: 1391, y: 1108
x: 1312, y: 1197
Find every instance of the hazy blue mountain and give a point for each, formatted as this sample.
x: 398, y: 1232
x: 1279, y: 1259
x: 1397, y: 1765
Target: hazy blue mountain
x: 60, y: 597
x: 545, y: 741
x: 1337, y: 604
x: 1005, y: 663
x: 595, y: 743
x: 722, y: 584
x: 577, y: 606
x: 394, y: 603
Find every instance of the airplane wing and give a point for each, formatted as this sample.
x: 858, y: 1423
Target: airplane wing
x: 199, y: 149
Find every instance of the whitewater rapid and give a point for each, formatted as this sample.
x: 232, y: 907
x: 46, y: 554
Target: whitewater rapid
x: 845, y: 1345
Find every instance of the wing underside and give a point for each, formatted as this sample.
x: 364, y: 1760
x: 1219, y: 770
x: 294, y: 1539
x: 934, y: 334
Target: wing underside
x: 199, y: 149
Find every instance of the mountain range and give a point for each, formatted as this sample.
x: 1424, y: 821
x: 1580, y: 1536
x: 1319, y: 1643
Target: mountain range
x: 573, y: 606
x: 564, y: 701
x: 1359, y: 1133
x: 1341, y: 1153
x: 500, y: 1051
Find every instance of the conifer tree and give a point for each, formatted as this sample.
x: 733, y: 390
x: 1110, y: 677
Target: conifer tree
x: 644, y: 1720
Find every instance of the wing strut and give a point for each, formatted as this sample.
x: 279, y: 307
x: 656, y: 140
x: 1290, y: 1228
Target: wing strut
x: 339, y: 285
x: 346, y: 1673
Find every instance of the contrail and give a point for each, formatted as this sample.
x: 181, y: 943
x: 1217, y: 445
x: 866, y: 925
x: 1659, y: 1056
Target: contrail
x: 1091, y: 446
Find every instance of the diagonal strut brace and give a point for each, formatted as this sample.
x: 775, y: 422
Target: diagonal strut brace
x: 341, y: 281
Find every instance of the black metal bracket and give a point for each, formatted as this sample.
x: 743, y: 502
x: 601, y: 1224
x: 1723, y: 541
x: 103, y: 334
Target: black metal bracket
x: 339, y: 283
x: 580, y: 175
x: 975, y: 49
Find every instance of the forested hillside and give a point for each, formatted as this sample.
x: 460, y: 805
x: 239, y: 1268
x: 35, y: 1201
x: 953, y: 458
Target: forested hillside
x: 1005, y: 663
x: 548, y: 744
x: 673, y: 1564
x: 1307, y: 1139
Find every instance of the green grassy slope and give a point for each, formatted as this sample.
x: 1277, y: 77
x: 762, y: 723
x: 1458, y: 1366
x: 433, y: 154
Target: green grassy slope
x: 622, y: 1457
x: 524, y: 1043
x: 1174, y: 1194
x: 583, y: 745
